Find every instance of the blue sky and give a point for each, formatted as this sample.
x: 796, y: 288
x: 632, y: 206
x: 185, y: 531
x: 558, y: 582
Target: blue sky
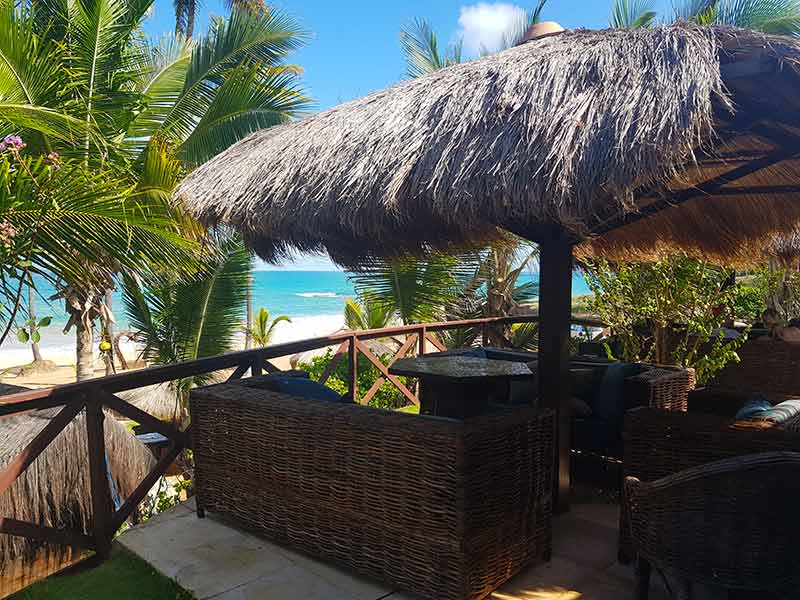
x: 354, y: 48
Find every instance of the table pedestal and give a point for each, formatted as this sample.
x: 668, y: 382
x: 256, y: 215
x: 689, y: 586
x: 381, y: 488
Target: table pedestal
x: 455, y: 399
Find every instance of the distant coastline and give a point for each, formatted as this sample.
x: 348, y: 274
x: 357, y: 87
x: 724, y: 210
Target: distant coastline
x: 314, y: 300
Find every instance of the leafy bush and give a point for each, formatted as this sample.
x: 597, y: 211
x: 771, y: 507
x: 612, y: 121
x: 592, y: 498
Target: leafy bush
x: 387, y: 395
x: 749, y: 303
x: 667, y: 312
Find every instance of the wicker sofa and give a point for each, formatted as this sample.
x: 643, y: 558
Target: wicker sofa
x: 441, y: 508
x: 659, y: 443
x: 730, y: 524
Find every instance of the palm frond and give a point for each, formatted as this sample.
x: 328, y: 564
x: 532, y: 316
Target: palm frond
x: 632, y: 14
x: 243, y: 39
x: 422, y: 51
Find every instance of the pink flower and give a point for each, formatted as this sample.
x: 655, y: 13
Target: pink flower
x: 12, y: 142
x: 7, y: 234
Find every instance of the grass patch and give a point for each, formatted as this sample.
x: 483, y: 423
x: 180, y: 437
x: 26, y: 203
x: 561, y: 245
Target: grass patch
x: 123, y: 577
x: 413, y: 409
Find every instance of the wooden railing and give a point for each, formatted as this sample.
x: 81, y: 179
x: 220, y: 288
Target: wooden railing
x: 95, y: 395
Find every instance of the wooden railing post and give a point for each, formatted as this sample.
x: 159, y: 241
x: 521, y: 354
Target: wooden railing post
x: 484, y: 334
x: 102, y: 510
x: 423, y: 336
x: 353, y: 368
x: 257, y: 368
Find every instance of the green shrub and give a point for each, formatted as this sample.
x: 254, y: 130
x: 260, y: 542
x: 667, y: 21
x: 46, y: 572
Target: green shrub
x: 749, y: 303
x: 387, y: 396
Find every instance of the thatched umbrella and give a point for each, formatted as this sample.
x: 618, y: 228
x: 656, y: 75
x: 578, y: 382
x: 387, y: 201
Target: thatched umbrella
x: 55, y: 490
x: 621, y: 143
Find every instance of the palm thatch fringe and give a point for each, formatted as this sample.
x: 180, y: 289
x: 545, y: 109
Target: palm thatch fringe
x: 160, y: 400
x: 55, y: 489
x: 563, y: 130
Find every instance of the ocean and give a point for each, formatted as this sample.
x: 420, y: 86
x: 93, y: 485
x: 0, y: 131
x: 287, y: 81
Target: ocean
x: 314, y: 300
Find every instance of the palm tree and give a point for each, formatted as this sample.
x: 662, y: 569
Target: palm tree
x: 412, y: 290
x: 186, y: 13
x: 87, y: 83
x: 181, y: 320
x: 770, y: 16
x: 263, y: 329
x: 366, y: 313
x: 632, y: 14
x: 423, y: 53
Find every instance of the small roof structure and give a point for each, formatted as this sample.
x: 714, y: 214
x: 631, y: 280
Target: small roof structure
x: 633, y: 142
x: 55, y: 490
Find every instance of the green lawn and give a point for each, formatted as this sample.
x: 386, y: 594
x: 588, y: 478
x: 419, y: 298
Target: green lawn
x: 123, y: 577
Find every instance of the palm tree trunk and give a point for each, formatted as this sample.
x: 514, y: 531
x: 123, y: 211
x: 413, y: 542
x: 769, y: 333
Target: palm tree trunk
x: 108, y: 333
x: 84, y: 343
x: 248, y: 335
x: 37, y: 355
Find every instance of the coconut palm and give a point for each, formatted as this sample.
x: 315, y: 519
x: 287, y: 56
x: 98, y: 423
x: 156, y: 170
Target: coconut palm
x: 263, y: 329
x: 632, y: 14
x: 424, y: 54
x: 366, y: 313
x: 183, y: 320
x: 87, y: 83
x: 770, y: 16
x: 413, y: 290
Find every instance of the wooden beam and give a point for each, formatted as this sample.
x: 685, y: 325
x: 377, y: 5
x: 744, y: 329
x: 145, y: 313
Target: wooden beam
x: 436, y: 343
x: 352, y: 384
x: 555, y: 303
x: 706, y: 188
x: 63, y: 537
x: 335, y: 360
x: 136, y: 414
x: 98, y: 477
x: 401, y: 353
x: 37, y: 445
x: 239, y: 372
x: 141, y: 491
x: 270, y: 368
x: 385, y: 372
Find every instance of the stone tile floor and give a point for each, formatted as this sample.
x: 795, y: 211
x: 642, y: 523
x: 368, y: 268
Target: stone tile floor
x: 213, y: 559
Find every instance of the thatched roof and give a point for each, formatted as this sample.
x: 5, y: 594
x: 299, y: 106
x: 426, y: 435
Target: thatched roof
x: 55, y: 489
x: 580, y: 130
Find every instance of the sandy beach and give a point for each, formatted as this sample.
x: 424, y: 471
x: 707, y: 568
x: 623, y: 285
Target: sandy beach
x: 61, y: 351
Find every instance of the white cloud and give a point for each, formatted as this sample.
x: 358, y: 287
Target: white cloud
x: 484, y: 25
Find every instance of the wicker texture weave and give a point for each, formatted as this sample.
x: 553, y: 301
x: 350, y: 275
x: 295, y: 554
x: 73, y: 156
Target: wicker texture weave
x: 768, y: 366
x: 665, y: 388
x: 659, y: 443
x: 732, y: 524
x: 445, y: 509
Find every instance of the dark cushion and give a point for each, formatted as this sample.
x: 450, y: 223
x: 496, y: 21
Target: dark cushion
x: 595, y: 435
x: 609, y: 403
x: 579, y: 407
x: 754, y: 406
x: 584, y: 382
x: 306, y: 388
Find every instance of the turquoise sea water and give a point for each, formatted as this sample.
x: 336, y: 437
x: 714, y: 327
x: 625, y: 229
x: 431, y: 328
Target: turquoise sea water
x: 313, y: 299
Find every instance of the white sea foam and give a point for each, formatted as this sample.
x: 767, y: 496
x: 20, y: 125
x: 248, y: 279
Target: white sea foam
x: 317, y: 294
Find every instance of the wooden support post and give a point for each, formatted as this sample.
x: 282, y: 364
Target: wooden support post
x: 102, y: 509
x: 555, y: 313
x: 423, y: 337
x: 352, y: 357
x: 257, y: 368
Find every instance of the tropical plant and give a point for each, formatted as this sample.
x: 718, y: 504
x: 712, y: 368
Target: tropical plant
x: 263, y: 329
x: 366, y: 313
x: 669, y: 312
x: 187, y: 319
x: 413, y: 290
x: 134, y: 115
x: 770, y: 16
x: 424, y: 54
x: 632, y: 14
x: 387, y: 396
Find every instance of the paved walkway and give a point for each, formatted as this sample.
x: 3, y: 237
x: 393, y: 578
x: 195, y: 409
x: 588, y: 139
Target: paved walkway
x: 215, y: 560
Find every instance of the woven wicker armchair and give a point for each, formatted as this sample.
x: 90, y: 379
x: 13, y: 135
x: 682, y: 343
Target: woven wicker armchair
x: 445, y: 509
x: 731, y: 524
x: 659, y: 443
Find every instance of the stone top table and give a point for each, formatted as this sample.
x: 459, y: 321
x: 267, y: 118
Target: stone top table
x: 458, y: 386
